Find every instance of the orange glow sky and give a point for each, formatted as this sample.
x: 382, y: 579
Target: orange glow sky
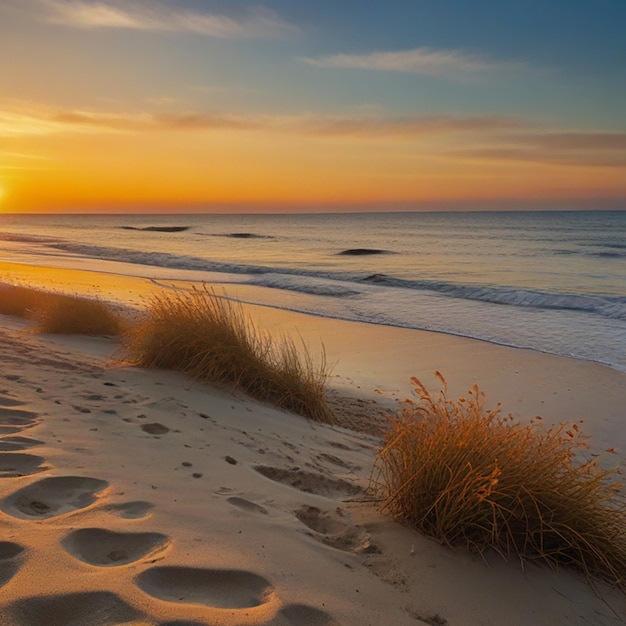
x: 191, y: 106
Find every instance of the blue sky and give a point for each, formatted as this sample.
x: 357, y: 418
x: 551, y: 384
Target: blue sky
x: 561, y: 46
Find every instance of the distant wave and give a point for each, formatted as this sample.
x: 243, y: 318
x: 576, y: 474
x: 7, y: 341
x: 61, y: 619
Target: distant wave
x: 304, y: 284
x: 378, y: 278
x: 362, y: 251
x: 608, y: 244
x: 345, y: 284
x: 26, y: 238
x: 341, y: 287
x: 615, y: 251
x: 613, y: 307
x: 609, y: 255
x: 157, y: 259
x: 157, y: 229
x: 239, y: 235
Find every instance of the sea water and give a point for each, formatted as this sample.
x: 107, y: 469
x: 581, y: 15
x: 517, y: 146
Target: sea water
x: 550, y: 281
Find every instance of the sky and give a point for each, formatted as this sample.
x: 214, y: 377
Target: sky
x: 281, y: 106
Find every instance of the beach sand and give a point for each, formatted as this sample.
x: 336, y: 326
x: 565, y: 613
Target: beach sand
x: 130, y: 496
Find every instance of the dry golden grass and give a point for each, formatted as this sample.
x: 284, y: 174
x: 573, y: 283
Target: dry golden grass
x: 17, y: 301
x: 59, y: 313
x: 74, y: 315
x: 211, y: 339
x: 467, y: 475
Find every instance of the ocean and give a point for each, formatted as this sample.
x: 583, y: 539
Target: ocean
x: 549, y: 281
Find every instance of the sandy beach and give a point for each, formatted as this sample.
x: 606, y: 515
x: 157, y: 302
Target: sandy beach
x: 131, y: 496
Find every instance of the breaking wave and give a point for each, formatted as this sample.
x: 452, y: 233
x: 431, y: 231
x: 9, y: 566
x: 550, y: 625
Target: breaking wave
x: 343, y: 284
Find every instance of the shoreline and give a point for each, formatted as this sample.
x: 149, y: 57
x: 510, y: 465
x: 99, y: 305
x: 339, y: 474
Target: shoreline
x: 376, y: 362
x: 171, y: 500
x: 116, y: 287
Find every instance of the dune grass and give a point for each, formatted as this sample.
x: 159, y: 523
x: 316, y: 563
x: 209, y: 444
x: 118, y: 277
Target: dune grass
x: 211, y: 339
x: 75, y: 315
x: 18, y: 301
x: 59, y: 313
x: 463, y: 474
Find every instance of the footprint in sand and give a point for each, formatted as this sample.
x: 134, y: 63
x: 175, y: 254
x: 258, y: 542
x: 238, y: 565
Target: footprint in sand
x: 97, y: 546
x: 10, y: 560
x: 10, y: 430
x: 14, y: 444
x: 6, y: 401
x: 302, y: 615
x: 335, y: 460
x: 155, y: 429
x: 130, y: 510
x: 309, y: 482
x: 430, y: 620
x: 54, y: 496
x: 16, y: 416
x: 16, y: 420
x: 216, y: 588
x: 339, y: 445
x: 96, y: 608
x: 247, y: 505
x: 14, y: 464
x: 331, y: 529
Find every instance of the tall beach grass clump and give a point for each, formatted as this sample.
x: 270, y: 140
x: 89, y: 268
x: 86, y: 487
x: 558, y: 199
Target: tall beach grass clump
x: 60, y: 313
x: 18, y: 301
x: 211, y: 339
x: 76, y: 315
x: 463, y: 474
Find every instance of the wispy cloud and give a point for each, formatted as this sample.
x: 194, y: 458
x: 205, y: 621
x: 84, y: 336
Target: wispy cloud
x: 34, y: 121
x: 27, y: 119
x: 405, y: 126
x: 478, y: 138
x: 443, y: 62
x: 157, y: 16
x: 591, y: 149
x: 575, y: 141
x: 529, y: 156
x: 208, y: 121
x: 14, y: 124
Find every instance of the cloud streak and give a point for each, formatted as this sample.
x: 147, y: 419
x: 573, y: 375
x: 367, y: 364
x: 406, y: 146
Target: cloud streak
x: 431, y: 62
x: 405, y: 126
x: 25, y: 119
x: 146, y: 15
x: 525, y: 155
x: 477, y: 138
x: 575, y: 141
x: 558, y: 148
